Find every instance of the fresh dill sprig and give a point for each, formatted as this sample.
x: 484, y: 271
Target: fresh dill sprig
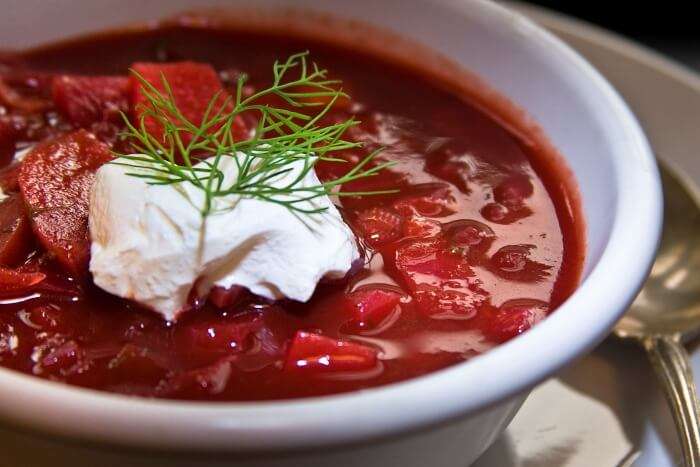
x: 285, y: 140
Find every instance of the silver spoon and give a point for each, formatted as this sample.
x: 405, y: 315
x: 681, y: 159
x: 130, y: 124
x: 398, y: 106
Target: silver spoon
x: 666, y: 314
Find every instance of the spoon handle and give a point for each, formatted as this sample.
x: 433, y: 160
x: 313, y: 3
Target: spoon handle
x: 670, y: 361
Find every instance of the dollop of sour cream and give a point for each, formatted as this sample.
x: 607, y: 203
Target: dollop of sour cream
x: 150, y: 243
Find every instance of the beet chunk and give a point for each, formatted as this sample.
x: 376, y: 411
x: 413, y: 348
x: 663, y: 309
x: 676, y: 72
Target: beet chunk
x: 14, y: 282
x: 88, y: 99
x: 193, y: 86
x: 320, y: 354
x: 15, y: 232
x: 55, y: 181
x: 371, y: 307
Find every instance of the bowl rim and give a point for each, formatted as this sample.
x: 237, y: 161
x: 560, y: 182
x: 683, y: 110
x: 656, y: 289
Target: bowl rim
x: 504, y: 372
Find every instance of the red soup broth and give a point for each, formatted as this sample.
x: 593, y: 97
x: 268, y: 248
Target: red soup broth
x: 478, y: 245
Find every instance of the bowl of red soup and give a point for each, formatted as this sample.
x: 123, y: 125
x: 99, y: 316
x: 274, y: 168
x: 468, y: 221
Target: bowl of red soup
x: 348, y: 233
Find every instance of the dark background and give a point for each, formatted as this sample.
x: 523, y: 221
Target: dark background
x: 670, y: 26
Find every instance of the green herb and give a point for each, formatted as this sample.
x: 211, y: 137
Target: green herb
x: 283, y: 137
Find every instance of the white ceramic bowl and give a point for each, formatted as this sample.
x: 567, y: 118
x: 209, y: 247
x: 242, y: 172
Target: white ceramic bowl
x: 446, y: 418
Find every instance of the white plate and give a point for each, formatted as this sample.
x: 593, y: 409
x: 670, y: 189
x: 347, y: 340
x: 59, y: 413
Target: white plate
x: 606, y: 410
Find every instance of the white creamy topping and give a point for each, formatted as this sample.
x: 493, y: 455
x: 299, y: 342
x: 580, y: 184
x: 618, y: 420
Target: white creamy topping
x: 150, y: 243
x: 3, y: 196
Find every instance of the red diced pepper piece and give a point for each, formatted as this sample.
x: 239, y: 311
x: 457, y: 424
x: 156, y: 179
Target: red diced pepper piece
x: 88, y: 99
x: 13, y: 282
x: 193, y: 85
x: 317, y: 353
x: 55, y: 181
x: 15, y: 231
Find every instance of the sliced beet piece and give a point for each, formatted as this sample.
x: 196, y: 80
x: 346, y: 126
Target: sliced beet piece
x: 55, y: 181
x: 13, y: 282
x: 193, y: 86
x: 88, y: 99
x: 320, y: 354
x: 15, y: 232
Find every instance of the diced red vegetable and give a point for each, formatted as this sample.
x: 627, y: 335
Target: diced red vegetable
x: 437, y: 202
x: 88, y: 99
x: 64, y: 359
x: 14, y: 282
x: 9, y: 177
x: 137, y: 364
x: 472, y: 237
x: 7, y: 142
x: 500, y: 214
x: 442, y: 302
x: 320, y: 354
x: 513, y: 262
x: 60, y: 356
x: 420, y: 227
x: 441, y: 282
x: 379, y: 225
x: 208, y: 380
x: 55, y: 181
x: 222, y: 336
x: 454, y: 170
x: 49, y: 318
x: 193, y: 85
x: 513, y: 318
x: 24, y: 91
x: 431, y: 257
x: 513, y: 191
x: 371, y: 307
x: 15, y: 231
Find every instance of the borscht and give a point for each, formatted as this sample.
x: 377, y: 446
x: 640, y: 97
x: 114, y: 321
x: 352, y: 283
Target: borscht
x: 203, y: 213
